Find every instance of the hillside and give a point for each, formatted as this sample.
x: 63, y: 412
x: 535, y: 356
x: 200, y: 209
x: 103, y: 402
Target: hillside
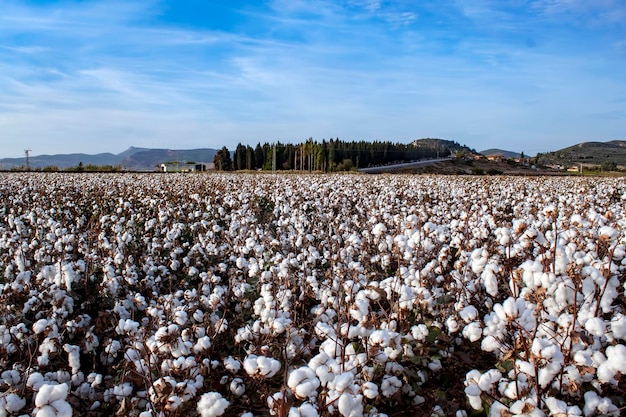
x: 133, y: 159
x: 445, y: 147
x: 587, y: 153
x: 505, y: 154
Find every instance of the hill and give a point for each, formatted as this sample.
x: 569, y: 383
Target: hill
x: 505, y: 154
x: 443, y: 146
x: 133, y: 159
x: 588, y: 153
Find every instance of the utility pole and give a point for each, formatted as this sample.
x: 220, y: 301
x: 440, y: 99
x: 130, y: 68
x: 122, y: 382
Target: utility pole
x: 27, y: 152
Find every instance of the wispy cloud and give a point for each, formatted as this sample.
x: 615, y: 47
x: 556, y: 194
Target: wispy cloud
x: 103, y: 75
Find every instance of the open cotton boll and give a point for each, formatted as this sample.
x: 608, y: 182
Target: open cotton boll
x: 488, y: 379
x: 350, y: 405
x: 596, y: 405
x: 595, y: 326
x: 212, y: 404
x: 232, y: 364
x: 237, y: 387
x: 203, y: 344
x: 343, y: 381
x: 49, y: 393
x: 618, y: 326
x: 11, y: 403
x: 73, y: 354
x: 303, y: 382
x: 472, y: 331
x: 261, y: 366
x: 615, y: 362
x: 40, y: 325
x: 468, y: 314
x: 370, y: 390
x: 390, y: 385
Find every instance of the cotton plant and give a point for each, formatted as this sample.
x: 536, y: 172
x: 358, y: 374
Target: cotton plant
x: 219, y: 290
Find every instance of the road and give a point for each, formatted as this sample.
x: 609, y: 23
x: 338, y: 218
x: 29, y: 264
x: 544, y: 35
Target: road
x: 399, y: 167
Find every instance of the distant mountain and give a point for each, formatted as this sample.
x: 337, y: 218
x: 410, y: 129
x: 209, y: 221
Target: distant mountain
x: 591, y: 153
x: 445, y: 147
x: 505, y: 154
x: 149, y: 158
x: 132, y: 158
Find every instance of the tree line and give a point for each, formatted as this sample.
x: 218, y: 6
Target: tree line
x: 326, y: 156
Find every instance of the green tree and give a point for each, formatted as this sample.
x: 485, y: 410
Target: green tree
x: 259, y: 156
x: 222, y: 160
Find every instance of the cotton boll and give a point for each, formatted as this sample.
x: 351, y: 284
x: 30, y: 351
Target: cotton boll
x: 350, y: 405
x: 390, y: 385
x: 472, y: 331
x: 488, y: 379
x: 11, y: 403
x: 419, y: 332
x: 556, y: 407
x: 212, y: 404
x: 308, y: 410
x: 303, y: 382
x: 601, y: 405
x: 595, y: 326
x: 473, y: 392
x: 73, y: 353
x: 452, y: 325
x: 40, y: 325
x: 618, y: 326
x: 232, y: 364
x: 49, y: 393
x: 370, y: 390
x: 237, y: 387
x: 202, y: 345
x: 468, y: 314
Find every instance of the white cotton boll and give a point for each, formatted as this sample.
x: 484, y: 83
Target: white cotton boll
x: 343, y: 381
x: 370, y: 390
x: 556, y: 407
x: 232, y: 364
x: 73, y: 353
x: 473, y: 392
x: 615, y: 362
x: 595, y: 326
x: 608, y: 232
x: 350, y: 405
x: 237, y: 387
x: 198, y: 316
x: 618, y: 326
x: 48, y: 393
x: 12, y: 403
x: 452, y: 325
x: 435, y: 365
x: 203, y: 344
x: 419, y: 332
x: 40, y: 325
x: 488, y: 379
x: 390, y: 385
x: 472, y: 331
x: 35, y: 381
x: 490, y: 280
x: 303, y: 382
x: 601, y: 405
x: 308, y: 410
x: 212, y: 404
x: 468, y: 314
x: 379, y: 229
x: 180, y: 317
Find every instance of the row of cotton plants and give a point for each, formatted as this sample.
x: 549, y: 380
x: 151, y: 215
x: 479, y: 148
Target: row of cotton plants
x: 295, y: 295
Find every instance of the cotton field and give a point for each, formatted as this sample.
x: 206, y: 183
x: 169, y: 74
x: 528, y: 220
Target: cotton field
x: 295, y: 295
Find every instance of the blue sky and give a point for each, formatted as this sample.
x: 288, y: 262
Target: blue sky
x: 100, y: 76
